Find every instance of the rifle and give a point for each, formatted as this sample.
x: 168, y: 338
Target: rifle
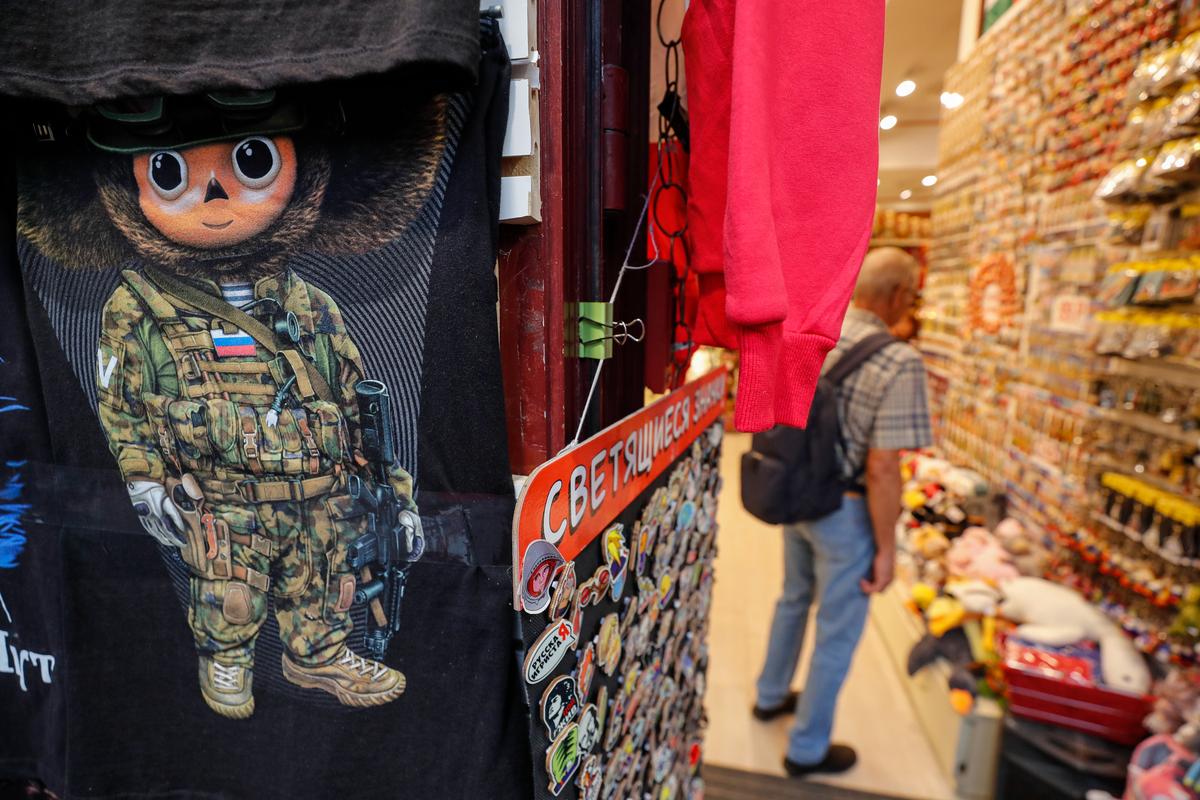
x: 393, y: 540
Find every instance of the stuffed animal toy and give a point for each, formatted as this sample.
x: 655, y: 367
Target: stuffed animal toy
x: 929, y: 543
x: 954, y: 648
x: 978, y: 554
x: 1013, y: 536
x: 1186, y: 624
x: 1177, y: 702
x: 1055, y: 615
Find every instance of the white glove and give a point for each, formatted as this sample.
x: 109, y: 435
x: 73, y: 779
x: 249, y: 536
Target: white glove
x: 157, y: 513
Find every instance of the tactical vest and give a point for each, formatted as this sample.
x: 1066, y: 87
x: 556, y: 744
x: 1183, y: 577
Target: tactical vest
x: 248, y: 428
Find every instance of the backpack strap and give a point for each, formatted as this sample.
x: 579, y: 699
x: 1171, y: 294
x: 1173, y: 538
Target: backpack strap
x: 858, y: 354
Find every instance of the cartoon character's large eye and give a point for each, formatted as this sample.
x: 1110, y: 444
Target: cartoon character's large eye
x: 256, y: 162
x: 168, y: 174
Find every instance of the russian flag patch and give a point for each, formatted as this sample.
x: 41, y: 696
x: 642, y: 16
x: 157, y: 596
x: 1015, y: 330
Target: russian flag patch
x: 229, y: 345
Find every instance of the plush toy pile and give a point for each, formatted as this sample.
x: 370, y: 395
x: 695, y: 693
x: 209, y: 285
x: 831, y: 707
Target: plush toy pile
x: 940, y: 533
x: 1000, y: 627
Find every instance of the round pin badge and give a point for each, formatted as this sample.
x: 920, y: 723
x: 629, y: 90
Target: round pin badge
x: 608, y: 648
x: 538, y: 568
x: 563, y: 592
x: 559, y: 706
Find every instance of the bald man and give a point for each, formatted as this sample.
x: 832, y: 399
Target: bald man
x: 840, y: 560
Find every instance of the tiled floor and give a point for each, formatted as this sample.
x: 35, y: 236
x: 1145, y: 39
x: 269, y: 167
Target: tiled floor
x: 874, y: 714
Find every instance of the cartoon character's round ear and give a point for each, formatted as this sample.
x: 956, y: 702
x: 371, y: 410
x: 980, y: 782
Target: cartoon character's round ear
x: 60, y: 212
x: 381, y: 175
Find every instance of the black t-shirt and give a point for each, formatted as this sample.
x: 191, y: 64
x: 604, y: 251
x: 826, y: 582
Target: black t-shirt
x: 104, y: 628
x: 80, y: 53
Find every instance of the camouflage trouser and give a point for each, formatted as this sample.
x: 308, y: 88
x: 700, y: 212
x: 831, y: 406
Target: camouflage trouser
x: 309, y: 580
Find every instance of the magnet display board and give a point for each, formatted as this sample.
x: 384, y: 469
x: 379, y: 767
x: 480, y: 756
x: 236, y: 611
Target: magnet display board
x: 613, y: 544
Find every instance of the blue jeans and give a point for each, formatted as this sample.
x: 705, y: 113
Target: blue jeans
x: 823, y: 561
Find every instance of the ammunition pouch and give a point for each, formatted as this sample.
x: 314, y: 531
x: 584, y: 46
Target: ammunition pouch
x: 216, y: 433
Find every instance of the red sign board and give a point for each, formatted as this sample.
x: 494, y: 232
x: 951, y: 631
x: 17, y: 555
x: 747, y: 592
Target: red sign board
x: 570, y: 499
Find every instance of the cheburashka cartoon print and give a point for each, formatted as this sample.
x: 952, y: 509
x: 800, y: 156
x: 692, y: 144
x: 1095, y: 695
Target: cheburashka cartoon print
x: 230, y: 392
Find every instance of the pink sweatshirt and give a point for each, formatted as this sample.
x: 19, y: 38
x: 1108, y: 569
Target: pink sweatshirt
x: 783, y: 100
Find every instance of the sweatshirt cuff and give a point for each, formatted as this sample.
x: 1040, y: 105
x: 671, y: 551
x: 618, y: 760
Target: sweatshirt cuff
x: 777, y: 376
x: 712, y: 327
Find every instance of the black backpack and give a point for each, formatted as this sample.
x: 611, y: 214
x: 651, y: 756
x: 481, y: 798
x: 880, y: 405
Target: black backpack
x: 793, y: 474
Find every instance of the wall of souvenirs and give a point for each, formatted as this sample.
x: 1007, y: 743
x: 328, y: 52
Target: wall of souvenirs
x: 1061, y: 317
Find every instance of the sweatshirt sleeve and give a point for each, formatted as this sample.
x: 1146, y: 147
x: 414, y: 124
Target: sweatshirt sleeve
x: 803, y: 147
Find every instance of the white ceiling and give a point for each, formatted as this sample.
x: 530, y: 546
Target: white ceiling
x: 920, y: 44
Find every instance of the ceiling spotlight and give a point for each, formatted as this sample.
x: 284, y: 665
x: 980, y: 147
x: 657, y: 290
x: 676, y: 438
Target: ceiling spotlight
x: 905, y: 88
x: 929, y: 180
x: 907, y: 193
x: 888, y: 122
x: 951, y: 100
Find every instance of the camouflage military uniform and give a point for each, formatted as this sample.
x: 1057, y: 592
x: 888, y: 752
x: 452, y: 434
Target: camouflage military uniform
x: 271, y: 458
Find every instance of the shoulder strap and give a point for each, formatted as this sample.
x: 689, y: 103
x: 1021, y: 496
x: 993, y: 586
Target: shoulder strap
x: 235, y: 316
x: 858, y: 354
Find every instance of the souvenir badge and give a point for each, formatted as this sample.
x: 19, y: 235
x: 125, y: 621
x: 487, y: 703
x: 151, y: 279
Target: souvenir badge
x: 564, y: 591
x: 576, y: 613
x: 592, y: 591
x: 664, y: 627
x: 703, y: 520
x: 559, y: 706
x: 645, y: 546
x: 590, y: 779
x: 631, y: 677
x: 715, y: 433
x: 562, y: 759
x: 638, y: 730
x: 612, y: 777
x: 616, y: 556
x: 548, y: 650
x: 647, y: 594
x: 669, y: 789
x: 694, y: 752
x: 666, y: 689
x: 542, y: 560
x: 696, y: 789
x: 602, y: 706
x: 589, y: 728
x: 585, y: 671
x: 686, y: 515
x: 666, y: 589
x: 641, y: 635
x: 664, y: 759
x: 608, y: 650
x: 615, y: 722
x: 630, y: 617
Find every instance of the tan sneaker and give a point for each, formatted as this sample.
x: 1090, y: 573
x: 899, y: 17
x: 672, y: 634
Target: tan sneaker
x: 352, y: 679
x: 227, y: 688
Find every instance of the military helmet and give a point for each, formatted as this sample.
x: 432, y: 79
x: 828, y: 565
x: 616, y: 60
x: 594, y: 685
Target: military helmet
x: 144, y: 124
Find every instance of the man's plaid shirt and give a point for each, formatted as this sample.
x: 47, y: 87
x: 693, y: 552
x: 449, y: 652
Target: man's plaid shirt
x: 883, y: 404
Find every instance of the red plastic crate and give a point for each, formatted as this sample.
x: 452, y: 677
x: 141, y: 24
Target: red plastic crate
x: 1098, y: 710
